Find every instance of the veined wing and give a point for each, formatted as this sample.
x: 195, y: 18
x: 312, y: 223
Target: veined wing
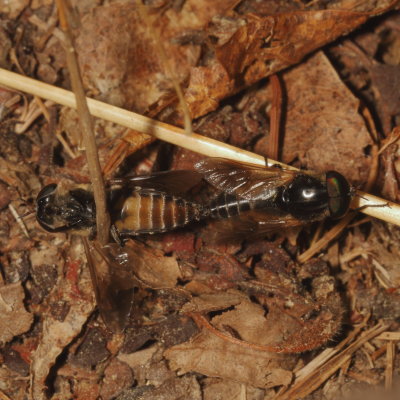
x: 171, y: 182
x: 245, y: 180
x: 251, y: 225
x: 113, y: 282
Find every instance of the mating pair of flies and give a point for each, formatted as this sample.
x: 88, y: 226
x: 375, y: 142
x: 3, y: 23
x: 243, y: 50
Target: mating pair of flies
x: 252, y: 201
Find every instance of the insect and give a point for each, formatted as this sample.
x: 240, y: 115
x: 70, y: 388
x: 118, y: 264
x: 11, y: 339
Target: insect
x: 253, y: 200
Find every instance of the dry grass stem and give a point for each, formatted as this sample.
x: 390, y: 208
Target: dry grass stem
x: 86, y: 125
x: 19, y: 220
x: 14, y: 59
x: 378, y: 353
x: 33, y: 111
x: 382, y: 209
x: 311, y: 381
x: 3, y: 396
x: 395, y: 336
x: 393, y: 137
x: 329, y: 353
x: 317, y: 246
x: 390, y: 353
x: 361, y: 377
x: 367, y: 355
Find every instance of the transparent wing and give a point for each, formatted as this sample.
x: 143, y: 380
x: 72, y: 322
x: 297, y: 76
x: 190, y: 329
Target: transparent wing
x: 251, y: 225
x: 113, y: 282
x: 172, y: 182
x: 245, y: 180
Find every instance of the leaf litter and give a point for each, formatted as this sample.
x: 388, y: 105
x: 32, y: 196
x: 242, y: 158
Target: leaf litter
x: 261, y: 317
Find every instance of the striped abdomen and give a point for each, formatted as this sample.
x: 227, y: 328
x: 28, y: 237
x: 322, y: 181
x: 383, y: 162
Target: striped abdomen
x: 148, y: 211
x: 228, y: 205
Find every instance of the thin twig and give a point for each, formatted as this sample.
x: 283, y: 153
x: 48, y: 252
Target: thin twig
x: 86, y: 125
x: 14, y: 59
x: 3, y: 396
x: 306, y: 385
x: 362, y: 377
x: 395, y: 336
x: 390, y: 352
x: 317, y: 246
x: 393, y: 137
x: 19, y: 220
x: 387, y: 211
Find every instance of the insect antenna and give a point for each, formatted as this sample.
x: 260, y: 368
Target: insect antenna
x: 19, y: 220
x: 29, y: 214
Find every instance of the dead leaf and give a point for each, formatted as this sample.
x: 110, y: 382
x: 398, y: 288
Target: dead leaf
x: 259, y: 46
x: 122, y: 65
x: 185, y: 387
x: 207, y: 302
x: 323, y: 117
x: 215, y: 388
x: 218, y: 52
x: 13, y: 8
x: 14, y: 319
x: 151, y: 266
x: 138, y: 358
x: 212, y: 356
x: 57, y: 333
x: 117, y: 377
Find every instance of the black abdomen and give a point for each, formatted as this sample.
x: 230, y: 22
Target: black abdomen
x: 227, y: 205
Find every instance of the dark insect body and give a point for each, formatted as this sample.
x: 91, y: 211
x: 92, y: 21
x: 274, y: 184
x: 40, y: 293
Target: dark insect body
x: 253, y: 201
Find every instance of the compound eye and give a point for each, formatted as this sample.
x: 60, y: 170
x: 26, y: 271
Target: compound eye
x: 339, y: 192
x: 46, y: 192
x: 47, y: 210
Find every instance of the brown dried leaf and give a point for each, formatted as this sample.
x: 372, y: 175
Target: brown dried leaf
x: 122, y: 65
x: 5, y: 196
x: 91, y: 351
x: 14, y: 387
x: 386, y: 79
x: 152, y: 267
x: 213, y: 302
x: 380, y: 254
x: 138, y: 358
x: 251, y: 47
x: 249, y: 322
x: 60, y: 330
x: 14, y: 319
x: 286, y: 317
x: 117, y: 377
x: 217, y: 60
x: 214, y: 388
x: 281, y: 328
x: 13, y: 8
x: 323, y: 117
x: 85, y: 387
x: 153, y: 370
x: 185, y: 387
x: 212, y: 356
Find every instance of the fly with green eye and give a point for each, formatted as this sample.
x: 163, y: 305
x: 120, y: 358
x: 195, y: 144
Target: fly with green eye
x: 252, y: 201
